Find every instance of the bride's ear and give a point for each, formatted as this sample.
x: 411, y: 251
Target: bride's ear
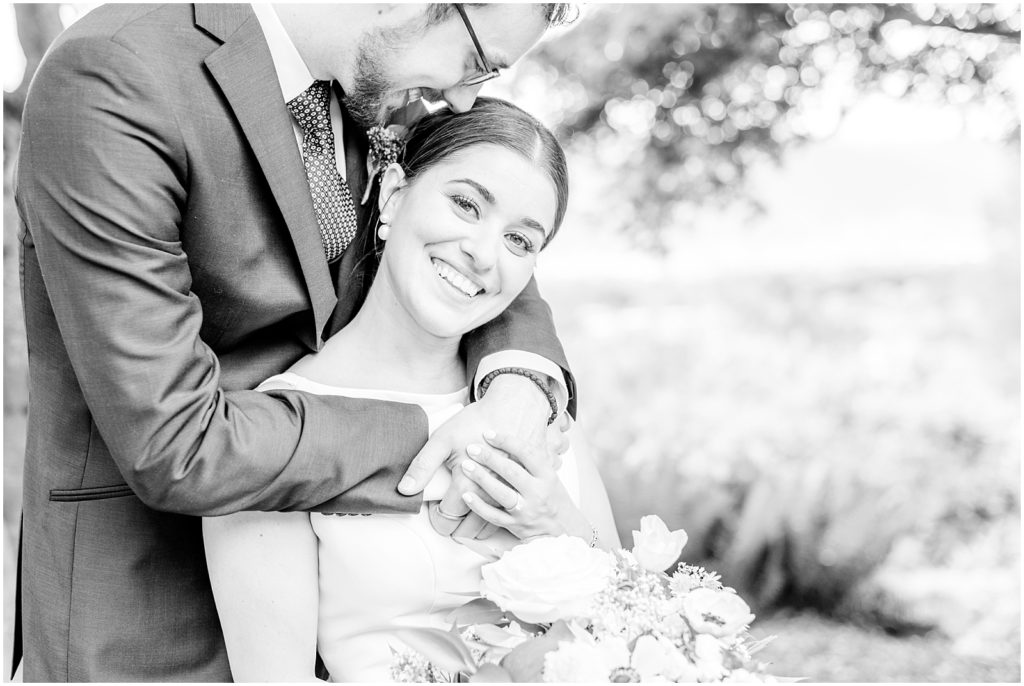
x: 391, y: 181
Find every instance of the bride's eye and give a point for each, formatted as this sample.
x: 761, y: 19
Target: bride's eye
x: 466, y: 205
x: 519, y: 244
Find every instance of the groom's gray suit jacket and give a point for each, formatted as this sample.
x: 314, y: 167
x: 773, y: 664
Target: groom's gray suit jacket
x: 170, y: 261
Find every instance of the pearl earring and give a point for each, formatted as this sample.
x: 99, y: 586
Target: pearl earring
x: 385, y: 230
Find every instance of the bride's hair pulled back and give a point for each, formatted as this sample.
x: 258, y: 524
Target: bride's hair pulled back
x: 490, y: 121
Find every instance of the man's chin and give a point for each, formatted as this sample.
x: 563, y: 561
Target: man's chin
x: 365, y: 116
x: 392, y: 110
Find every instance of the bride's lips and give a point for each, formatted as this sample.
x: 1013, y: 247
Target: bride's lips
x: 458, y: 279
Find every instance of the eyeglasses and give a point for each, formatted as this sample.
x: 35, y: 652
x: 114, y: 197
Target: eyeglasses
x: 488, y: 72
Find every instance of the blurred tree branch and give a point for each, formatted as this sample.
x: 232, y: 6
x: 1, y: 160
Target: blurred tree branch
x: 683, y: 100
x: 948, y: 20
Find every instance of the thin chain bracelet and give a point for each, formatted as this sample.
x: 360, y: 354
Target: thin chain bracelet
x: 532, y: 376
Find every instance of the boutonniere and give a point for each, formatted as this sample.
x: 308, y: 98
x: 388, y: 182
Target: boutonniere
x: 386, y: 144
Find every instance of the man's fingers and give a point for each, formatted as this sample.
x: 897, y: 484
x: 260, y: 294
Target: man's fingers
x: 471, y: 527
x: 423, y: 466
x: 486, y: 532
x: 452, y: 503
x: 442, y: 524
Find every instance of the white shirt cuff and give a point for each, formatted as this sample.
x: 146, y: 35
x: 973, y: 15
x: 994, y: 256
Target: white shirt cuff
x: 525, y: 360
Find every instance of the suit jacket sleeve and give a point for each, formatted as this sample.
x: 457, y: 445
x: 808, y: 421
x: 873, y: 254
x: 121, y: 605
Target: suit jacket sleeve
x: 102, y: 186
x: 525, y: 325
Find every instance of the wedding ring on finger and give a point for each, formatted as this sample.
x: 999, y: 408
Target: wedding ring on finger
x: 517, y: 505
x: 451, y: 517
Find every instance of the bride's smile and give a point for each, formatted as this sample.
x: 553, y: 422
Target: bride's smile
x: 457, y: 278
x: 464, y: 236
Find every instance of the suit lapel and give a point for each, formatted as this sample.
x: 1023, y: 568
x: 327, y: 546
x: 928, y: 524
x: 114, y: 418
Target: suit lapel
x: 245, y: 72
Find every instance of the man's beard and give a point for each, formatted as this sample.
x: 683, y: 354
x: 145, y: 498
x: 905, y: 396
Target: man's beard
x: 367, y: 100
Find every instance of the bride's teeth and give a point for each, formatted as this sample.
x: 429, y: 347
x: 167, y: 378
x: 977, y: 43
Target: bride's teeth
x: 456, y: 279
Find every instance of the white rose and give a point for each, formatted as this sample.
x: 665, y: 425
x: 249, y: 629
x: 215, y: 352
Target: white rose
x: 718, y: 613
x: 654, y: 546
x: 575, y: 662
x: 585, y: 659
x: 657, y: 657
x: 743, y: 676
x: 547, y: 579
x: 614, y: 651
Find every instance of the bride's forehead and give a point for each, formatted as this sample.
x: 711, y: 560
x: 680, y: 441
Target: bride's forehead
x: 489, y: 159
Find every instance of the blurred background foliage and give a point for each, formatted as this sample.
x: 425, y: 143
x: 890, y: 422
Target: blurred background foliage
x: 789, y: 287
x: 686, y: 98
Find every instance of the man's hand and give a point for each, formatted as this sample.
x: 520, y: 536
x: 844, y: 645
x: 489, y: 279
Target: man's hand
x: 513, y: 404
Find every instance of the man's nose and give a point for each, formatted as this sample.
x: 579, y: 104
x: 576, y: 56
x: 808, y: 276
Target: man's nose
x: 461, y: 98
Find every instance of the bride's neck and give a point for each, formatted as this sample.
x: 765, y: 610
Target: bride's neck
x: 383, y: 347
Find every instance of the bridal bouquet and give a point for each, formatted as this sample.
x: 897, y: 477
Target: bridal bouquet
x: 556, y: 610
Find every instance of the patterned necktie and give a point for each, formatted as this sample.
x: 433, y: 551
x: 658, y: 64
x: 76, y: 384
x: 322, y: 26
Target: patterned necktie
x: 332, y: 200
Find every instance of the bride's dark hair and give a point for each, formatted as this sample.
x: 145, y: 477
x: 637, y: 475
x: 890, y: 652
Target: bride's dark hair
x: 490, y: 121
x: 441, y: 134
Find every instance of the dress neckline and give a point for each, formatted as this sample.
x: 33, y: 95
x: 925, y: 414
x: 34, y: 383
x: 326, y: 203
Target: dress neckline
x: 460, y: 396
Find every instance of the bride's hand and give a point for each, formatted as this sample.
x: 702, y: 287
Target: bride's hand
x: 512, y: 407
x: 532, y: 499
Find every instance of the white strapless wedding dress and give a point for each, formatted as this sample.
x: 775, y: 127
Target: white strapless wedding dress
x: 382, y: 573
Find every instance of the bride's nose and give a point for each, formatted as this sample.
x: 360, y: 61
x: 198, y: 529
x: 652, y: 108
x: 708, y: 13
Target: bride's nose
x: 482, y: 247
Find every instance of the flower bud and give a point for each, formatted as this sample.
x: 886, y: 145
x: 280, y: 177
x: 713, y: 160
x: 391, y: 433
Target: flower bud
x: 654, y: 546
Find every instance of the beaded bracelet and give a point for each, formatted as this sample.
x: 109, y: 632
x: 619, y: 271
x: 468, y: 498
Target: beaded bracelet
x: 593, y: 537
x: 532, y: 376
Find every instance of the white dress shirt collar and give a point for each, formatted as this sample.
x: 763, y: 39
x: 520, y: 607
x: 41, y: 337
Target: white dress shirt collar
x: 293, y: 76
x: 292, y: 72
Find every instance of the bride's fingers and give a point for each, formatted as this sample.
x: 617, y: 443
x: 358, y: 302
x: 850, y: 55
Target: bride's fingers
x: 499, y: 463
x: 501, y: 493
x: 533, y: 457
x: 488, y: 512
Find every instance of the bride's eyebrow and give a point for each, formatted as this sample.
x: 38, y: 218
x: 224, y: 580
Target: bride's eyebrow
x: 487, y: 195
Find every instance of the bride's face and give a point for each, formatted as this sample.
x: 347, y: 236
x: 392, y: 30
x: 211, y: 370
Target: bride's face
x: 464, y: 236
